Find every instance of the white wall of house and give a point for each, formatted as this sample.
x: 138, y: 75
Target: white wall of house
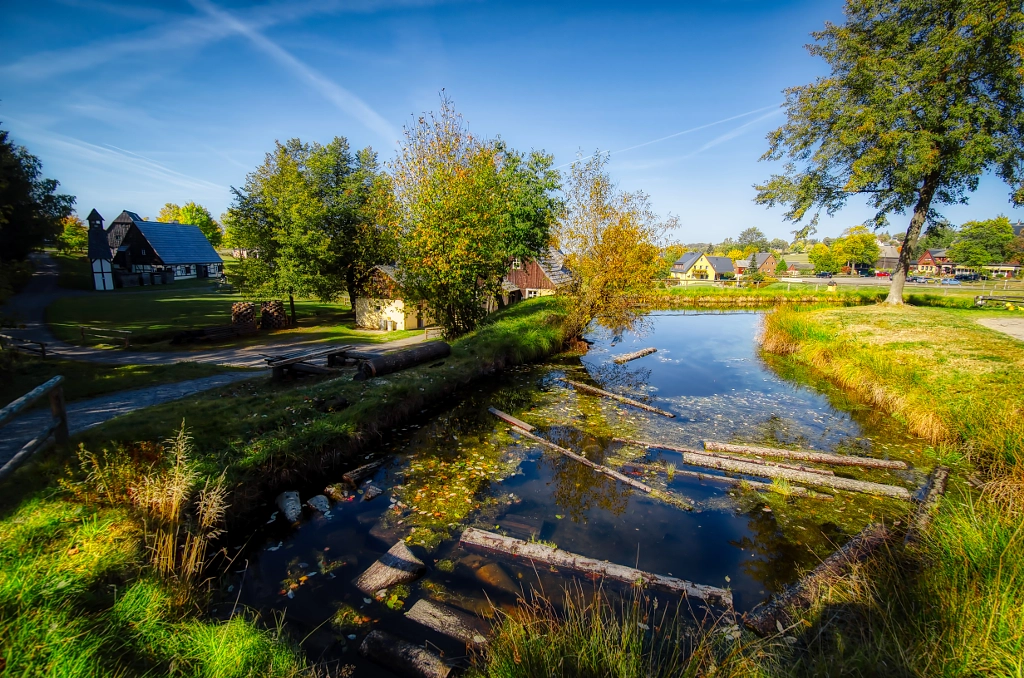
x: 102, y: 275
x: 371, y: 313
x: 531, y: 293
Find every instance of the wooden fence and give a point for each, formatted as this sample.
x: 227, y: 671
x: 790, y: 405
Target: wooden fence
x: 432, y: 333
x: 120, y: 335
x: 56, y: 431
x: 9, y: 343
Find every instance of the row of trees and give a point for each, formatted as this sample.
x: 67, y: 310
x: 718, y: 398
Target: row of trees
x: 452, y: 211
x: 196, y: 215
x: 857, y: 246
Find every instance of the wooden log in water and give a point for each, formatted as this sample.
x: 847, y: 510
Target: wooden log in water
x: 356, y: 475
x: 403, y: 657
x: 444, y: 619
x: 760, y: 462
x: 774, y: 615
x: 818, y: 457
x: 508, y: 418
x: 633, y: 356
x: 540, y: 553
x: 583, y: 460
x: 397, y: 566
x: 401, y: 360
x: 697, y: 458
x: 756, y: 485
x: 936, y: 488
x: 592, y: 390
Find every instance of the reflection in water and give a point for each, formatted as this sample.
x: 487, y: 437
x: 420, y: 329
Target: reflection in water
x: 463, y: 467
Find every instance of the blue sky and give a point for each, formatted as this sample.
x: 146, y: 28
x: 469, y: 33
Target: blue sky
x: 134, y: 105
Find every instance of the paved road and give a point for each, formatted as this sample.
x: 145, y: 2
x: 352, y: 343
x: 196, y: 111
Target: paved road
x: 84, y: 414
x: 1012, y: 326
x: 28, y: 308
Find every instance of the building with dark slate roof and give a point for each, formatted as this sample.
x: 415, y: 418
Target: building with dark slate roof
x: 539, y: 277
x: 700, y: 266
x: 160, y: 252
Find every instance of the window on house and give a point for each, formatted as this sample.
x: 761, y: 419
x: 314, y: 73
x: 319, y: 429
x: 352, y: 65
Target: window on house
x: 143, y: 251
x: 517, y: 264
x: 530, y: 294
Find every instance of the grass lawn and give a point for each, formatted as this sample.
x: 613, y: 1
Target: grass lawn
x: 20, y: 373
x: 952, y: 605
x: 155, y: 314
x: 73, y: 272
x: 77, y: 597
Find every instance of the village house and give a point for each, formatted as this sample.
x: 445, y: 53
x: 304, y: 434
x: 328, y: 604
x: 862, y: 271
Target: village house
x: 935, y: 262
x: 384, y: 308
x: 153, y: 252
x: 888, y: 257
x: 700, y: 266
x: 764, y: 261
x: 1004, y: 270
x: 538, y: 277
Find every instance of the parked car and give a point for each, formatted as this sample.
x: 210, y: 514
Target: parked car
x: 883, y: 274
x: 917, y: 279
x: 865, y: 273
x: 967, y: 277
x: 950, y: 281
x: 823, y: 274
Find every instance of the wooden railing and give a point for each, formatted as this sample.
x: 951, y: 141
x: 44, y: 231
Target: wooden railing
x: 56, y: 431
x: 120, y: 335
x: 432, y: 333
x: 8, y: 343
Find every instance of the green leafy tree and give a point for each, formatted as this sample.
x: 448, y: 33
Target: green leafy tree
x: 923, y: 98
x: 980, y: 243
x: 669, y: 256
x: 940, y: 235
x: 778, y: 245
x: 1015, y: 250
x: 461, y: 209
x: 306, y: 215
x: 781, y: 267
x: 31, y: 211
x: 753, y: 238
x: 74, y: 237
x: 196, y: 215
x: 824, y: 259
x: 857, y: 245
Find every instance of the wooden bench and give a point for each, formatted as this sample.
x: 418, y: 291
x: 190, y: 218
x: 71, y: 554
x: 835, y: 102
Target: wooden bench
x: 120, y: 335
x: 432, y: 333
x: 9, y: 343
x: 56, y: 431
x: 299, y: 361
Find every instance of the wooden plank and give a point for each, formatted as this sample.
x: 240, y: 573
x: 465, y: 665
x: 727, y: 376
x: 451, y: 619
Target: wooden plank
x: 774, y: 615
x: 41, y: 442
x: 755, y: 485
x: 444, y: 619
x: 936, y: 488
x: 496, y: 543
x: 510, y: 419
x: 633, y: 356
x: 592, y: 390
x: 302, y: 357
x: 819, y: 457
x: 403, y: 657
x: 583, y: 460
x: 397, y: 566
x: 356, y: 475
x: 27, y: 400
x: 759, y: 462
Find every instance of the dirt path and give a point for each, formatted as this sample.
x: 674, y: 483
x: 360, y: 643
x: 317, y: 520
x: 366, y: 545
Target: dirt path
x: 84, y: 414
x: 1014, y: 326
x: 28, y: 308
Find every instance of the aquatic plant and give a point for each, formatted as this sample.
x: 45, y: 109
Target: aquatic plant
x: 670, y: 471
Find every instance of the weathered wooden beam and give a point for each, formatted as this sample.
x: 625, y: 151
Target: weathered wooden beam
x: 774, y: 615
x: 397, y: 566
x: 819, y: 457
x: 26, y: 401
x: 583, y: 460
x: 619, y: 360
x: 496, y: 543
x: 444, y: 619
x: 756, y: 485
x: 936, y: 488
x: 356, y: 475
x: 508, y: 418
x: 759, y: 462
x: 403, y: 657
x: 41, y: 442
x: 592, y: 390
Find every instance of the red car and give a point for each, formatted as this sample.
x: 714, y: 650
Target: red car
x: 883, y: 274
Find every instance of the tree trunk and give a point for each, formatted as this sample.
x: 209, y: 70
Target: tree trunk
x: 899, y: 276
x: 291, y: 300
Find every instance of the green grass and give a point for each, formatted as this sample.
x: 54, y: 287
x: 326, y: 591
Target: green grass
x: 954, y: 604
x: 155, y: 314
x: 73, y: 271
x: 20, y: 373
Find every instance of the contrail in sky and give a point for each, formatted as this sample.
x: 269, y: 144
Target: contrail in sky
x: 685, y: 131
x: 344, y: 100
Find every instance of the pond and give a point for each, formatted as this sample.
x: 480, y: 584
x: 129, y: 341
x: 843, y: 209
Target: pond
x: 460, y: 466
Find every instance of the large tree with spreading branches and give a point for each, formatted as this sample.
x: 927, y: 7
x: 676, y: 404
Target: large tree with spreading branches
x: 923, y: 98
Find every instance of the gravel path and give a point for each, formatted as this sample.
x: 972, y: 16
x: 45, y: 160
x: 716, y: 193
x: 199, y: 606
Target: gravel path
x: 84, y: 414
x: 1012, y: 326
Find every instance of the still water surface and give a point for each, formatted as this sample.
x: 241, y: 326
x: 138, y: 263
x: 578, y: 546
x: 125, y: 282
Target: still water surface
x: 707, y: 371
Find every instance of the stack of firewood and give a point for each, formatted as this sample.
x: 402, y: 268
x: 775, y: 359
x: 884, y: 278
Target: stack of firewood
x: 272, y: 315
x: 243, y: 314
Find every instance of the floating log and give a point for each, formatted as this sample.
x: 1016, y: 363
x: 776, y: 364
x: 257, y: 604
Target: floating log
x: 508, y: 418
x: 614, y: 396
x: 444, y: 619
x: 936, y: 488
x: 818, y: 457
x: 319, y: 503
x: 497, y: 543
x: 583, y: 460
x: 633, y: 356
x: 760, y: 462
x: 774, y: 616
x: 397, y: 566
x: 290, y: 506
x: 403, y: 657
x: 401, y: 360
x: 356, y: 475
x: 697, y: 458
x: 756, y: 485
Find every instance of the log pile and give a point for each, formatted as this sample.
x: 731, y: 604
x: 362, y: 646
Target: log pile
x: 633, y: 356
x: 539, y: 553
x: 273, y: 316
x: 774, y: 616
x: 243, y: 314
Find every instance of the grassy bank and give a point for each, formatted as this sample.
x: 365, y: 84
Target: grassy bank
x: 20, y: 373
x: 78, y: 590
x: 954, y: 604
